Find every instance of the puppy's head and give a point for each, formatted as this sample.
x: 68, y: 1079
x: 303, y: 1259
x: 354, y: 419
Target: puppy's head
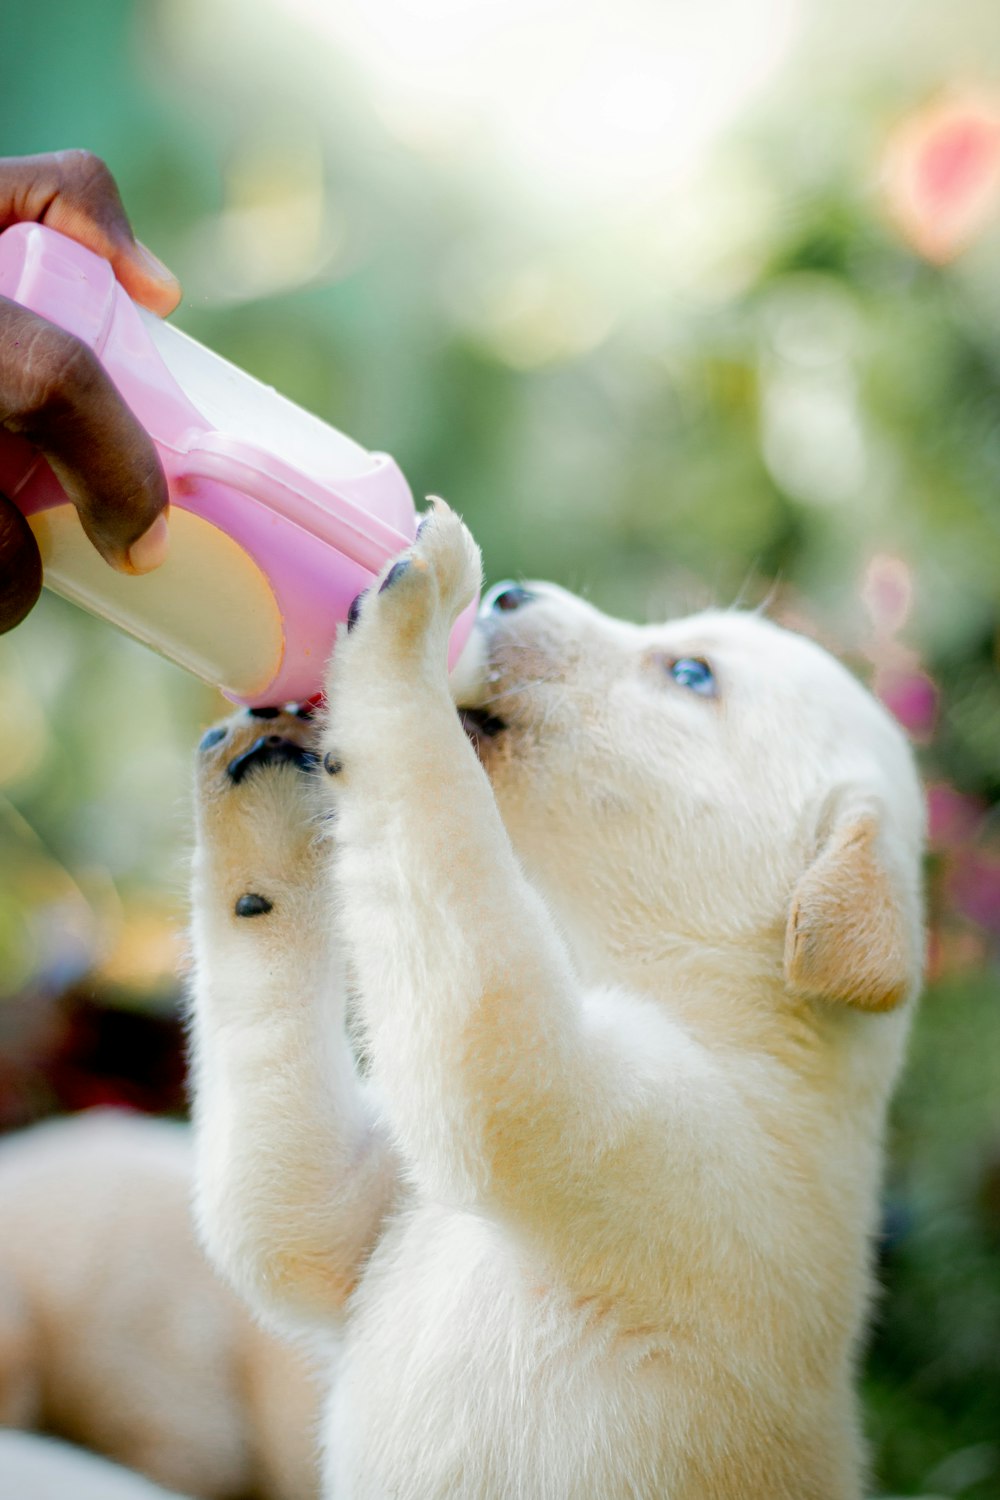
x: 715, y: 782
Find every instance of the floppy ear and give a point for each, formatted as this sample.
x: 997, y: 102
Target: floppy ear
x: 853, y: 931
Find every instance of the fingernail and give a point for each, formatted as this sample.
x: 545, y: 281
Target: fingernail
x: 151, y: 549
x: 154, y: 266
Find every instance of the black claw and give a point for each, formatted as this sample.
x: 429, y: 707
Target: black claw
x: 252, y: 905
x: 211, y: 737
x: 263, y: 713
x: 394, y: 574
x: 270, y: 750
x: 331, y: 765
x: 355, y: 610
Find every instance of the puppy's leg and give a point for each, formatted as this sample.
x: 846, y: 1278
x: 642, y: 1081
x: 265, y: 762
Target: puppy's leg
x: 20, y: 1382
x: 501, y: 1087
x: 293, y: 1174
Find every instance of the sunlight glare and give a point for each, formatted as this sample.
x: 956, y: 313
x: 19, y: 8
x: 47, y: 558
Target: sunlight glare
x: 588, y: 100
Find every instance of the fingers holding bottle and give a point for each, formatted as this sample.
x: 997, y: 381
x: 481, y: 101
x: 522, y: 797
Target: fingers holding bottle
x: 74, y: 192
x: 54, y: 393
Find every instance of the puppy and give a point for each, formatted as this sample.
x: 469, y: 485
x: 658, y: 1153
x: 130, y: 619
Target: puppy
x: 116, y: 1333
x: 634, y: 972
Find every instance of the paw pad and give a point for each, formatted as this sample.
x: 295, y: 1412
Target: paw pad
x: 270, y: 750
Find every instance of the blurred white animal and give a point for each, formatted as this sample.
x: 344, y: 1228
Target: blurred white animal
x: 115, y: 1331
x: 634, y: 984
x: 38, y: 1468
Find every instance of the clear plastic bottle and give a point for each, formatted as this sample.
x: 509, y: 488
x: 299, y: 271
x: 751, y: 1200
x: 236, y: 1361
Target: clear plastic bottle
x: 277, y: 520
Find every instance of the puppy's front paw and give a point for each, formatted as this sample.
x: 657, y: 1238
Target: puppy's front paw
x: 259, y: 818
x: 387, y: 683
x: 418, y: 598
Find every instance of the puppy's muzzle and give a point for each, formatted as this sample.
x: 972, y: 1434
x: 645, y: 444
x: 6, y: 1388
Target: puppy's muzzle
x: 503, y: 598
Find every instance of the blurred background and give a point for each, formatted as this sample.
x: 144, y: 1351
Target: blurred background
x: 679, y: 303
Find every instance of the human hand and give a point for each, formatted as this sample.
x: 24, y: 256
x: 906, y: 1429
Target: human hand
x: 55, y: 393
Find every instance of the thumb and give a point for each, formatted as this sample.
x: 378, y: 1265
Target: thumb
x: 146, y: 279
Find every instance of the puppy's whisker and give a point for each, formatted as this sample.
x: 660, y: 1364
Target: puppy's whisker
x: 765, y: 604
x: 519, y: 687
x: 744, y: 588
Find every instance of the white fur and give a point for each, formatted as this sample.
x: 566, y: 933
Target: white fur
x: 596, y: 1221
x: 116, y: 1333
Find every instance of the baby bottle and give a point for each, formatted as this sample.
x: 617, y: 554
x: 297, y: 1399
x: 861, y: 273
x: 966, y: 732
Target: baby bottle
x: 277, y: 521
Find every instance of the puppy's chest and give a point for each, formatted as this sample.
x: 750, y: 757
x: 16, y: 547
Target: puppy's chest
x: 455, y: 1336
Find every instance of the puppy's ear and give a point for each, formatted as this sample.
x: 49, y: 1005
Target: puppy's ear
x: 853, y: 931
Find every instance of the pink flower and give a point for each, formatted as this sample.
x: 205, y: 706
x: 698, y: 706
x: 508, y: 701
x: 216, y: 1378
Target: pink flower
x: 974, y: 888
x: 942, y: 173
x: 911, y: 697
x: 887, y: 593
x: 953, y: 819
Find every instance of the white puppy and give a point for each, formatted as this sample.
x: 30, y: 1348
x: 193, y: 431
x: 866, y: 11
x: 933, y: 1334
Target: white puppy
x: 116, y: 1333
x: 597, y: 1223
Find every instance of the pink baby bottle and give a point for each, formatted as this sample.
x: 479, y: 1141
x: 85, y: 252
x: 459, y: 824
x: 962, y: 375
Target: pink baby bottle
x: 277, y: 520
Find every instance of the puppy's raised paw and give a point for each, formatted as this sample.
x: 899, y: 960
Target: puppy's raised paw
x: 420, y: 595
x: 259, y: 820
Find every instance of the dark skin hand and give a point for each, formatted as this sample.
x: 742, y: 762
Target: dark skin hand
x: 54, y: 392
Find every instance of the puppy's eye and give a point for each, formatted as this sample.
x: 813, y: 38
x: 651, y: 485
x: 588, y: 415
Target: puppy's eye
x: 691, y: 672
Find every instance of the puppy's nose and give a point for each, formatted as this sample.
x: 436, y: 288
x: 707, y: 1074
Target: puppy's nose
x: 506, y: 596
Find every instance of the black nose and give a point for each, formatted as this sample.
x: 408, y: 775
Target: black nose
x: 507, y: 596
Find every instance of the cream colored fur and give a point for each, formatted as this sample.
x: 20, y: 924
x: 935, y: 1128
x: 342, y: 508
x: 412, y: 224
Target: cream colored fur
x: 596, y: 1223
x: 116, y: 1333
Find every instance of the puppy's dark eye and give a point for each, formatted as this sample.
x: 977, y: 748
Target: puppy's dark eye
x: 691, y: 672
